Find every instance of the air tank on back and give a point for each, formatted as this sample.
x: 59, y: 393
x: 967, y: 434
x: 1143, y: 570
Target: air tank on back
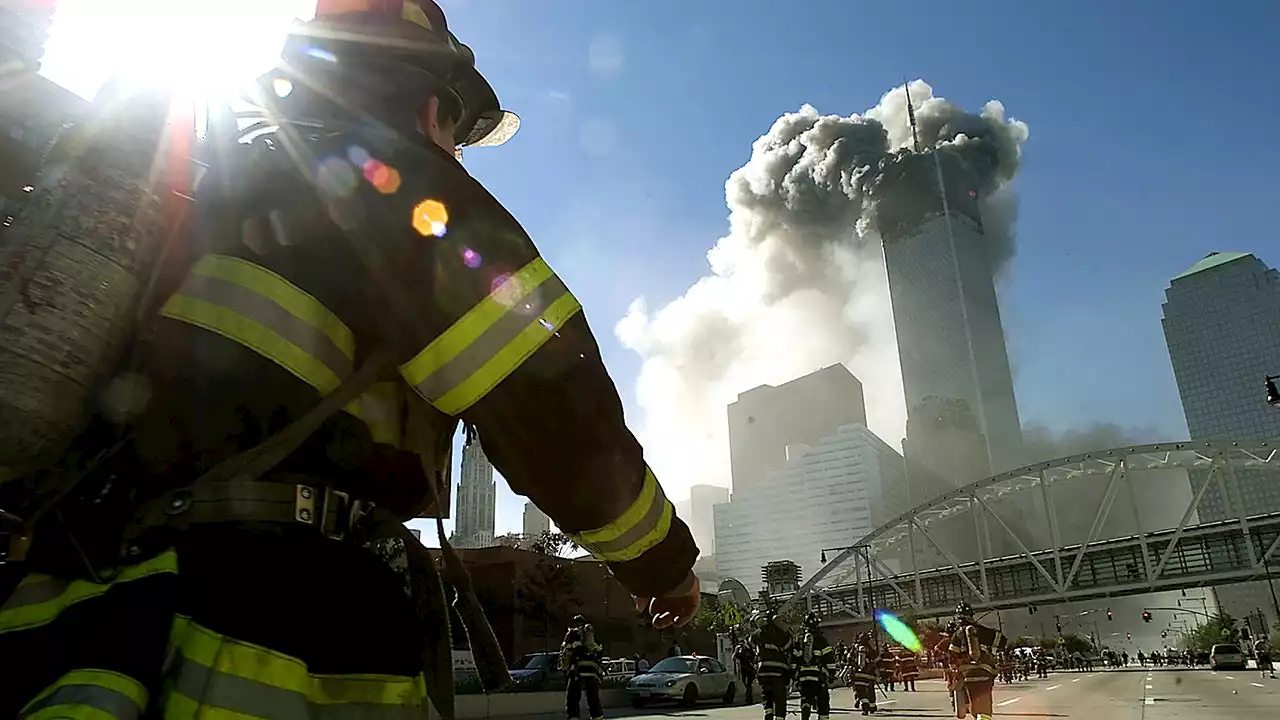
x: 75, y: 264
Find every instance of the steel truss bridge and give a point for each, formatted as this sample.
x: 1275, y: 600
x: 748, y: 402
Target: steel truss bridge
x: 1238, y: 549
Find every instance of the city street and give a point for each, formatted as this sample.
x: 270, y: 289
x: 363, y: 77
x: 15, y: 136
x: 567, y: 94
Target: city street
x: 1131, y: 694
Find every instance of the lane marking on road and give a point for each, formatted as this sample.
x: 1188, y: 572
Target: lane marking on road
x: 1076, y: 680
x: 1150, y: 687
x: 1257, y: 685
x: 1053, y: 687
x: 1008, y: 702
x: 886, y: 702
x: 1229, y: 677
x: 1149, y: 701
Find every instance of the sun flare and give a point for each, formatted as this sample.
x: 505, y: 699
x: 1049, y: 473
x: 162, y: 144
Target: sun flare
x: 198, y: 47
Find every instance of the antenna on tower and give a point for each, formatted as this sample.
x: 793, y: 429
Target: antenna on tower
x: 911, y: 114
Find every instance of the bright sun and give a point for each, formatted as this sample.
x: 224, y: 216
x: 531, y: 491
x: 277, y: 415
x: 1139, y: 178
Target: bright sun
x: 201, y: 46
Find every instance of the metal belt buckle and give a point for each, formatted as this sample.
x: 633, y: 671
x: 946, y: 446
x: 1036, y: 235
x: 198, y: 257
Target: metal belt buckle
x: 329, y: 511
x: 336, y: 520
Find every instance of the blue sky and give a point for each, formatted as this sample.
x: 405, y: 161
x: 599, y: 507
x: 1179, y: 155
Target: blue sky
x: 1150, y: 147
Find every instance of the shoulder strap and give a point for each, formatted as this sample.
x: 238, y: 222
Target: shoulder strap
x: 254, y: 463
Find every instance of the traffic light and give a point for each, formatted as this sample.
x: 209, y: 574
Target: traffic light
x: 1108, y: 613
x: 1128, y: 636
x: 1146, y: 616
x: 1164, y: 633
x: 1059, y: 628
x: 1273, y: 395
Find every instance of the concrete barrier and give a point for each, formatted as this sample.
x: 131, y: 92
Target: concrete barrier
x: 472, y: 707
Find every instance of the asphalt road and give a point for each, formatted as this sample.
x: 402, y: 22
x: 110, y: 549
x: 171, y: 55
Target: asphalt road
x: 1130, y: 694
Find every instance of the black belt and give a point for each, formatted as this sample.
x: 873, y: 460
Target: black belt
x: 284, y: 499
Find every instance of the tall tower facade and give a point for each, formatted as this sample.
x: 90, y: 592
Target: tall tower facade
x: 1222, y: 326
x: 536, y: 522
x: 950, y: 340
x: 477, y: 494
x: 765, y: 420
x: 24, y: 30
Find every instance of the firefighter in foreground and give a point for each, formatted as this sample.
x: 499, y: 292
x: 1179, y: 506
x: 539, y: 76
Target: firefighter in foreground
x: 974, y: 649
x: 580, y: 659
x: 774, y: 672
x: 812, y: 657
x: 864, y: 670
x: 322, y: 255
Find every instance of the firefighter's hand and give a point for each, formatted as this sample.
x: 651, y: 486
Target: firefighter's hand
x: 675, y: 610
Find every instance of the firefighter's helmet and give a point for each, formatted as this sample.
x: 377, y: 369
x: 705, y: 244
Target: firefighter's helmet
x: 579, y: 620
x: 964, y: 612
x: 397, y: 49
x: 812, y: 620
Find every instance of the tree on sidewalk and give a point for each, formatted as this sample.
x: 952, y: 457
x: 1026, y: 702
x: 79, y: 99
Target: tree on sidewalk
x: 546, y: 592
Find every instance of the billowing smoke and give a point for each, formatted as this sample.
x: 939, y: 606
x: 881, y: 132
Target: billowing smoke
x: 1040, y: 444
x: 799, y: 281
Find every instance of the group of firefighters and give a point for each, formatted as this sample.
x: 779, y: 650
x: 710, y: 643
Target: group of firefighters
x: 776, y: 659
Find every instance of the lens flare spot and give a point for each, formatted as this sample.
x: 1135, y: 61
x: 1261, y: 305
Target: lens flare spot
x: 282, y: 87
x: 382, y: 176
x: 431, y: 218
x: 358, y: 156
x: 322, y: 55
x: 898, y: 630
x: 335, y: 177
x: 471, y: 258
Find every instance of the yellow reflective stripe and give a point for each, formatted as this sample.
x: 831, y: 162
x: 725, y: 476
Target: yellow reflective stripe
x: 257, y: 308
x: 255, y: 336
x: 39, y: 598
x: 640, y: 527
x: 276, y: 288
x: 216, y: 671
x: 488, y: 343
x: 89, y: 694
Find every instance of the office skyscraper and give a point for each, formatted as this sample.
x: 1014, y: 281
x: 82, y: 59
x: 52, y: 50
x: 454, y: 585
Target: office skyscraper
x: 1222, y: 326
x: 476, y: 496
x: 827, y: 494
x: 701, y: 516
x: 765, y: 420
x: 536, y: 522
x: 950, y: 340
x: 24, y: 29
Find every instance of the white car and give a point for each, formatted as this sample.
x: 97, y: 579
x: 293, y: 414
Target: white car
x: 1226, y: 657
x: 619, y: 668
x: 685, y: 679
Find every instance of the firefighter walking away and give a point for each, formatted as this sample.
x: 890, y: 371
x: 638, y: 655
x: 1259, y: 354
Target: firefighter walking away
x: 304, y: 382
x: 974, y: 649
x: 865, y: 668
x: 774, y: 672
x: 812, y: 657
x: 580, y: 659
x: 744, y: 658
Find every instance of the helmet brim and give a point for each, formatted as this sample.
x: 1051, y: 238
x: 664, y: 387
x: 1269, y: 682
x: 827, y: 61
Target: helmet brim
x: 484, y: 123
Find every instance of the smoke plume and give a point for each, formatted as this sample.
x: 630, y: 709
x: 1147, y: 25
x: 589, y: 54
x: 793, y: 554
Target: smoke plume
x: 799, y: 281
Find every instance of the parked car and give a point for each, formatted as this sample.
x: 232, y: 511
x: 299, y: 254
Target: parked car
x: 537, y: 669
x: 619, y: 668
x: 685, y: 679
x: 1226, y: 657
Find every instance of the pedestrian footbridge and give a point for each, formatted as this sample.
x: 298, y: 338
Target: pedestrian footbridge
x: 912, y: 564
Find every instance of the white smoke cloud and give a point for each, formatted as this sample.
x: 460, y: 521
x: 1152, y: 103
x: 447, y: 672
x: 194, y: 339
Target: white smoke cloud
x: 799, y: 281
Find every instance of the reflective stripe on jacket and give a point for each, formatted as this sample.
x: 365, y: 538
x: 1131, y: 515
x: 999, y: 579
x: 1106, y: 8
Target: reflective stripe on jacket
x: 257, y: 308
x: 640, y: 528
x: 216, y: 676
x: 39, y: 599
x: 488, y: 343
